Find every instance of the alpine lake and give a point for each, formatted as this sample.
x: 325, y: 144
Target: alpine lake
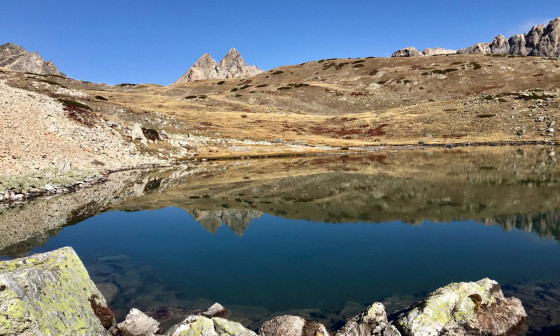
x: 319, y: 237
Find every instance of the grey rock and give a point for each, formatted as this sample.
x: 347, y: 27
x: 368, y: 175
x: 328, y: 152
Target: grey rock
x: 466, y: 308
x: 216, y: 310
x: 407, y: 52
x: 479, y: 48
x: 438, y: 51
x: 203, y: 326
x: 51, y: 294
x: 15, y: 57
x: 517, y: 45
x: 138, y: 324
x: 231, y: 66
x: 549, y: 43
x: 500, y: 45
x: 288, y: 325
x: 372, y: 321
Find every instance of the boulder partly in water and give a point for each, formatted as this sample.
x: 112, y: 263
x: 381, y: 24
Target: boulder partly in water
x: 466, y: 308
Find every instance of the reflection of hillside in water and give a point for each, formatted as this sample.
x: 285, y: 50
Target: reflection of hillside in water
x: 515, y: 188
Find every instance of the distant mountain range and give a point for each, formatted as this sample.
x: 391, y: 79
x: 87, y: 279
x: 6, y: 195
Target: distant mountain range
x: 233, y: 65
x: 543, y: 41
x: 15, y: 57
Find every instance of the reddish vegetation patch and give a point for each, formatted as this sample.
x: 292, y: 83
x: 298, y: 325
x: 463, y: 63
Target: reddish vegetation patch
x: 358, y: 94
x: 104, y: 314
x: 248, y: 81
x: 377, y: 131
x: 80, y: 115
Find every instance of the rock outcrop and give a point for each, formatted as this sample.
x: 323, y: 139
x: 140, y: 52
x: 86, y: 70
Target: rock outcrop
x: 138, y: 324
x: 203, y: 326
x: 15, y: 57
x: 466, y: 308
x: 412, y: 52
x: 539, y: 41
x: 372, y: 321
x: 51, y: 294
x: 232, y: 66
x: 407, y: 52
x: 288, y: 325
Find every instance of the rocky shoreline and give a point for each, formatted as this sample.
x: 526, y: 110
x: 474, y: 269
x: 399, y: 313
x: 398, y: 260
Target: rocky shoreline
x: 52, y: 293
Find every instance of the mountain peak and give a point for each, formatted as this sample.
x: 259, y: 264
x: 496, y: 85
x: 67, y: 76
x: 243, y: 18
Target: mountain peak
x: 231, y: 66
x: 15, y: 57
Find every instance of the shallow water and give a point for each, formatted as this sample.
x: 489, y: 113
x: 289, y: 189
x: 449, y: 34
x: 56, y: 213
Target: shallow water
x: 320, y: 238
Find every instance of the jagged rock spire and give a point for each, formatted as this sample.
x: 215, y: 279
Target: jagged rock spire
x: 15, y: 57
x: 232, y: 65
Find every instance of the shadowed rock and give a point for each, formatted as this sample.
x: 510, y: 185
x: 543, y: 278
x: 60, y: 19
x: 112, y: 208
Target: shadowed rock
x: 288, y: 325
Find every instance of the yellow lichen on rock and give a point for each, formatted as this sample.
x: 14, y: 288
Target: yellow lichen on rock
x: 48, y: 294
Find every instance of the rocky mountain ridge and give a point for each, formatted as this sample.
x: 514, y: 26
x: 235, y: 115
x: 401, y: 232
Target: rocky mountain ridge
x: 541, y: 40
x: 231, y: 66
x: 15, y: 57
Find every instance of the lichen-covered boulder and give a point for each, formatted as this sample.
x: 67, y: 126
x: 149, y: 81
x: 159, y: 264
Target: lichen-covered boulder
x: 51, y: 294
x: 466, y: 308
x: 372, y: 321
x: 288, y: 325
x: 202, y: 326
x: 138, y: 324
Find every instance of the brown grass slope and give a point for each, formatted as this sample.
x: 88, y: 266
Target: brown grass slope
x: 345, y: 103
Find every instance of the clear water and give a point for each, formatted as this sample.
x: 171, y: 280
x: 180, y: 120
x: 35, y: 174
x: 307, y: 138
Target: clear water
x: 273, y: 262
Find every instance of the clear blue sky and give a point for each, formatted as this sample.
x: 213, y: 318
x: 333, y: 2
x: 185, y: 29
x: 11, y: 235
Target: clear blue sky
x: 157, y: 41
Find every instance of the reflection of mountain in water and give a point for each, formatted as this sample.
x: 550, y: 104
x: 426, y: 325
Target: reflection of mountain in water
x: 546, y: 224
x: 511, y: 187
x: 237, y: 220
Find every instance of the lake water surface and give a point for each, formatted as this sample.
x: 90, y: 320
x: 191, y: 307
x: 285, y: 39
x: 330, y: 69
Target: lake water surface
x: 316, y: 237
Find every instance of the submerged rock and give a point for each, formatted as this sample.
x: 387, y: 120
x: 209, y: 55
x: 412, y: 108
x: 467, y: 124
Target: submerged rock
x: 138, y: 324
x: 466, y: 308
x: 372, y: 321
x: 51, y: 294
x: 203, y: 326
x: 288, y: 325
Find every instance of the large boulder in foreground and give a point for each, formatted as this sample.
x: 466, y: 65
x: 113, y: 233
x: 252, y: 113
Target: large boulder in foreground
x: 466, y: 308
x: 51, y: 294
x: 288, y: 325
x: 372, y: 321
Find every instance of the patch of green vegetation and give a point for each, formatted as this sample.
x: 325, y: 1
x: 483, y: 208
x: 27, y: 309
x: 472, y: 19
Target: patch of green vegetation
x: 381, y: 82
x: 456, y: 63
x: 194, y: 197
x: 485, y: 115
x: 340, y: 65
x: 126, y: 84
x: 51, y: 82
x: 101, y: 98
x: 320, y: 61
x: 282, y: 88
x: 221, y: 82
x: 190, y: 97
x: 358, y: 61
x: 203, y: 96
x: 234, y: 89
x: 244, y: 87
x: 344, y: 148
x: 261, y: 85
x: 357, y: 66
x: 328, y: 66
x: 72, y: 103
x: 224, y: 205
x: 439, y: 72
x: 279, y: 72
x: 475, y: 65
